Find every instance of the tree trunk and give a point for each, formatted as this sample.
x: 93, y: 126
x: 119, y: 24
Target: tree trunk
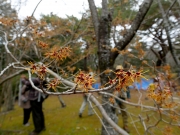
x: 7, y: 96
x: 106, y: 58
x: 7, y: 91
x: 104, y: 64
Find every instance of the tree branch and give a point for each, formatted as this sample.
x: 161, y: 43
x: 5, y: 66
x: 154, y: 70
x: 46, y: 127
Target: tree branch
x: 92, y: 98
x: 145, y: 6
x: 95, y: 18
x: 11, y: 76
x: 35, y: 8
x: 166, y: 26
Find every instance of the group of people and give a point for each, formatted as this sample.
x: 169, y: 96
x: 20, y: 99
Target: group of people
x: 31, y: 101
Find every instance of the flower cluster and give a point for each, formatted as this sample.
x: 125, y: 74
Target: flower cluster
x: 71, y: 69
x: 53, y: 84
x: 38, y: 33
x: 33, y: 67
x: 161, y: 96
x: 84, y: 80
x: 39, y: 69
x: 59, y: 53
x: 126, y: 78
x: 43, y: 45
x: 7, y: 21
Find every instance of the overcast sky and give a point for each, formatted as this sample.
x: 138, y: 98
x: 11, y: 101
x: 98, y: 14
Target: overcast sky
x: 59, y: 7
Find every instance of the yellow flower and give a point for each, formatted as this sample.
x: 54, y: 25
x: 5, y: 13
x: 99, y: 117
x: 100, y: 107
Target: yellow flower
x: 33, y: 67
x: 85, y: 80
x: 151, y: 87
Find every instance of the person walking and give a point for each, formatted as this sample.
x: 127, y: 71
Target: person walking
x: 36, y: 100
x: 85, y: 102
x: 24, y: 101
x: 124, y: 95
x: 83, y: 105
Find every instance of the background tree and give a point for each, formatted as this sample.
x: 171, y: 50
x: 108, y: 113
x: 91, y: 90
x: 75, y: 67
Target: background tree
x: 8, y: 15
x: 75, y: 33
x: 160, y: 27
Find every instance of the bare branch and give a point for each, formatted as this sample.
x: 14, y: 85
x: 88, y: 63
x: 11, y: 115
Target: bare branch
x: 134, y: 27
x: 6, y: 47
x: 165, y: 21
x: 110, y: 121
x: 36, y: 8
x: 134, y: 104
x: 92, y: 98
x: 11, y: 76
x: 94, y: 17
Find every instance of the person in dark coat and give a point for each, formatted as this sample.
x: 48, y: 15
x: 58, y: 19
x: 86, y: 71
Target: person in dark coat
x: 36, y: 101
x: 24, y: 101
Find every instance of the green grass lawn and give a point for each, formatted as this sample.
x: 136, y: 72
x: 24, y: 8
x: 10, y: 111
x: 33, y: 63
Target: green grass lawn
x: 65, y: 121
x: 59, y: 121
